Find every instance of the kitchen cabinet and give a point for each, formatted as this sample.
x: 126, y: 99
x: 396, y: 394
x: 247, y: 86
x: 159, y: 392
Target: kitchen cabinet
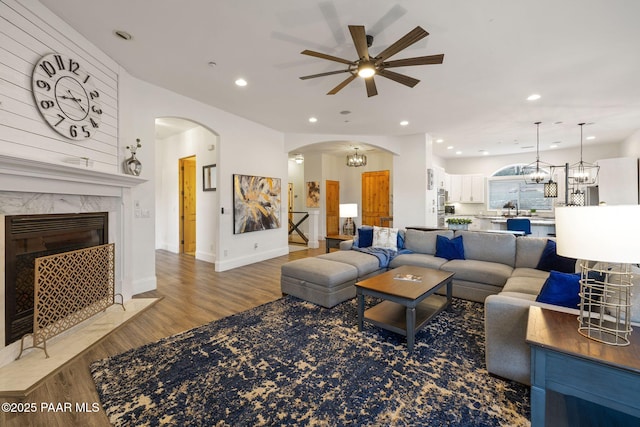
x: 438, y: 174
x: 472, y: 189
x: 455, y: 189
x: 466, y: 189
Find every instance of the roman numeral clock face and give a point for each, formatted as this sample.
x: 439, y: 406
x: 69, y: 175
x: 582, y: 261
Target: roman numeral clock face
x: 66, y: 96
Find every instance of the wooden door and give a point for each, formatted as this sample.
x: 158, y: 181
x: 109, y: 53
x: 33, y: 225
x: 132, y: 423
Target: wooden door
x: 332, y: 203
x: 188, y: 205
x: 375, y: 197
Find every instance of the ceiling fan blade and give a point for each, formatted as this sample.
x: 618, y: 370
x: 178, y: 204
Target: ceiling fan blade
x: 417, y: 34
x: 419, y: 60
x: 360, y: 41
x: 325, y: 56
x: 341, y: 85
x: 400, y: 78
x: 371, y: 87
x: 328, y: 73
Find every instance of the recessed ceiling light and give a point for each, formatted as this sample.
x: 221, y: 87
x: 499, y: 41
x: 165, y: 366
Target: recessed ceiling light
x: 345, y: 112
x: 590, y: 137
x: 458, y: 152
x: 484, y: 152
x: 122, y: 34
x: 557, y: 123
x: 241, y: 82
x: 533, y: 97
x: 439, y: 141
x: 312, y: 119
x: 211, y: 64
x: 404, y: 123
x: 553, y: 146
x: 450, y: 147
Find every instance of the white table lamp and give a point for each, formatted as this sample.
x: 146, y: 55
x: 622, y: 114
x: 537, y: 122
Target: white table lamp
x: 349, y: 211
x: 610, y: 236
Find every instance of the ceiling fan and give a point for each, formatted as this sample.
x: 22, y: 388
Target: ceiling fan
x: 367, y: 66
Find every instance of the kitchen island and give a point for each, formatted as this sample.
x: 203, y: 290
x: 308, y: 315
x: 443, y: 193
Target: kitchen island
x: 540, y: 226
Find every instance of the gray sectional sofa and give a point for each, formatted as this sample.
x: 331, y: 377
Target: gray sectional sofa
x: 498, y: 269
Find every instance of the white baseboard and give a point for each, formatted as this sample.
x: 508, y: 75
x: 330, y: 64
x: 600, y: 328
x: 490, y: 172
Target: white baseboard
x: 143, y: 285
x: 224, y: 265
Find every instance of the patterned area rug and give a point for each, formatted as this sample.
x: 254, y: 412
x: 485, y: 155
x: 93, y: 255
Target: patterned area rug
x: 292, y: 362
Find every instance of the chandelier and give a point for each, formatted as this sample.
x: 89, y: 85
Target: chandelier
x: 583, y: 173
x: 355, y: 160
x: 535, y: 173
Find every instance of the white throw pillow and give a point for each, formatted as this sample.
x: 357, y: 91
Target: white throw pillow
x: 384, y: 237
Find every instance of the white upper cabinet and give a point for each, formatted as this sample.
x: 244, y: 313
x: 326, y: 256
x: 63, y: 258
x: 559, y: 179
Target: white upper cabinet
x: 466, y: 188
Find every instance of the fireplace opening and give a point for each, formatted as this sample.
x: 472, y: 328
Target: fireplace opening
x: 28, y: 237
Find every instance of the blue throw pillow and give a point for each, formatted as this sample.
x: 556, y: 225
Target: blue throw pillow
x: 561, y: 289
x: 550, y: 260
x: 365, y: 237
x: 400, y: 244
x: 449, y: 249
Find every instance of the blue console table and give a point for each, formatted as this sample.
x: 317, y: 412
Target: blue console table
x: 566, y: 362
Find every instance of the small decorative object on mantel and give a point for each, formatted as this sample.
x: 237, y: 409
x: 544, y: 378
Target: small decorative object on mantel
x: 132, y: 165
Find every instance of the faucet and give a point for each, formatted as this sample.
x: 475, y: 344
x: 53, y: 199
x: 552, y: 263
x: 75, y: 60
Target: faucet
x: 509, y: 205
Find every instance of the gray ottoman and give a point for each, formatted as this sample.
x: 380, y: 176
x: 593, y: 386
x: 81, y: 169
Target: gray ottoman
x: 319, y: 281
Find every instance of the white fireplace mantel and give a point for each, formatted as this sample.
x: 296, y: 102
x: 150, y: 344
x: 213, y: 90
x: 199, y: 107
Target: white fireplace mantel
x: 35, y: 176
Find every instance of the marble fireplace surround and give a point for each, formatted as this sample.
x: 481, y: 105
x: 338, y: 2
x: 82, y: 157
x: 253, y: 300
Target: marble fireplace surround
x: 37, y: 187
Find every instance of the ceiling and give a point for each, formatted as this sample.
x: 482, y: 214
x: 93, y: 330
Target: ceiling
x: 581, y: 57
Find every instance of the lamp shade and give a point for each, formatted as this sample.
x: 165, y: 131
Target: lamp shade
x: 348, y: 210
x: 599, y: 233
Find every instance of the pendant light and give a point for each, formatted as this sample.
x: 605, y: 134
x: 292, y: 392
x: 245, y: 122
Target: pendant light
x: 583, y: 173
x: 535, y: 173
x: 551, y: 188
x: 356, y: 160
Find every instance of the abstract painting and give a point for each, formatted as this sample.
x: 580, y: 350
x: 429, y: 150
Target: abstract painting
x: 313, y: 194
x: 256, y: 203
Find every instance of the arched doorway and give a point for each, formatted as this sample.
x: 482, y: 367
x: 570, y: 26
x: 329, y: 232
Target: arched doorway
x: 183, y: 149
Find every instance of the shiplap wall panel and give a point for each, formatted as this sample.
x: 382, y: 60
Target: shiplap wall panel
x: 25, y: 36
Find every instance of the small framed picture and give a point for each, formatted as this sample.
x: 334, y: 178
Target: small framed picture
x: 209, y: 178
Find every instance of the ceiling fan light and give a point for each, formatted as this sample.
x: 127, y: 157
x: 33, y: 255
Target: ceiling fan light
x: 366, y: 70
x: 299, y: 159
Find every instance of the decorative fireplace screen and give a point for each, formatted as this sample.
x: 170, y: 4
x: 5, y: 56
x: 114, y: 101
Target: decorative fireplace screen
x: 70, y: 287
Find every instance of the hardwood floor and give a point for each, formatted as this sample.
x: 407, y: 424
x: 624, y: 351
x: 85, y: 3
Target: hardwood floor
x: 193, y: 294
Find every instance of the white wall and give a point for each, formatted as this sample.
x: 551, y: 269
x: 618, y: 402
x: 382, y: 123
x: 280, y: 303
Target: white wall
x: 243, y: 147
x: 631, y: 146
x: 193, y: 142
x: 413, y: 204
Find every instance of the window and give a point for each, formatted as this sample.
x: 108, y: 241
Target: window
x: 508, y: 185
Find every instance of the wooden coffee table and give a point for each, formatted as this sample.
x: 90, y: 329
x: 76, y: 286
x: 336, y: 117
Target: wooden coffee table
x: 408, y: 304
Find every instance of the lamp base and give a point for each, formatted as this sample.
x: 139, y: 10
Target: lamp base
x: 349, y: 227
x: 605, y: 303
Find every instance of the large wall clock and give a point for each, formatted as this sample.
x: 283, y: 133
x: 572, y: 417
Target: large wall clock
x: 66, y: 96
